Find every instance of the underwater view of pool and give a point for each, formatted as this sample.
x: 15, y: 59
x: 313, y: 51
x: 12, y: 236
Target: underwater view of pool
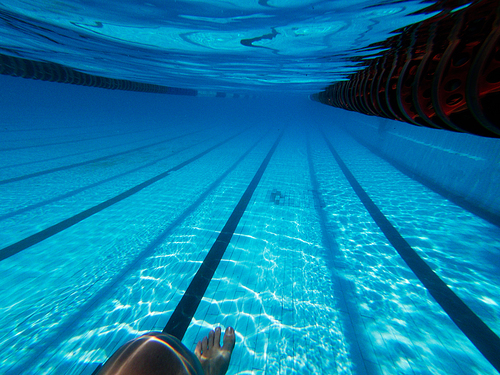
x: 333, y: 242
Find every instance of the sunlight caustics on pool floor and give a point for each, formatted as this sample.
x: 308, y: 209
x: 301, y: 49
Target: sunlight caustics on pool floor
x: 309, y: 281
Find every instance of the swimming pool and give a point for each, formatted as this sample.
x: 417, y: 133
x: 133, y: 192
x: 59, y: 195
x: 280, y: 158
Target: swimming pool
x: 308, y: 280
x: 339, y: 243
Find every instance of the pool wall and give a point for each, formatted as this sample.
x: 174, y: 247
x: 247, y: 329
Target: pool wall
x: 463, y: 167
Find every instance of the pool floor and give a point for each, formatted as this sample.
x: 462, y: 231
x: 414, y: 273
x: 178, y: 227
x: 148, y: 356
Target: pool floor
x: 309, y: 281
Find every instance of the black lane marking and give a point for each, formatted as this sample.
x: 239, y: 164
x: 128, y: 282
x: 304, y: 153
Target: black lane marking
x: 72, y: 135
x: 65, y: 167
x: 66, y: 329
x: 342, y: 287
x: 466, y: 204
x: 43, y: 129
x: 107, y: 147
x: 87, y: 187
x: 66, y: 142
x: 10, y: 166
x: 483, y: 338
x: 19, y: 246
x: 181, y: 317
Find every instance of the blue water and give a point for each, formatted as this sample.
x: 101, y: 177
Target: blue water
x: 309, y: 281
x: 199, y: 44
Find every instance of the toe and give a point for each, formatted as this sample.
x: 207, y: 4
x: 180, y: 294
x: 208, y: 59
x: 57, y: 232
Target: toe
x: 217, y: 338
x: 229, y: 339
x: 211, y: 337
x: 197, y: 350
x: 204, y: 344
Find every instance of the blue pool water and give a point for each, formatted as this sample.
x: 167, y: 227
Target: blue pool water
x: 274, y: 45
x: 110, y: 201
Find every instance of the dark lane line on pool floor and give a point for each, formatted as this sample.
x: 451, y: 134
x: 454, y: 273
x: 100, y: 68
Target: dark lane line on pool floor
x: 19, y: 246
x: 69, y: 141
x: 65, y: 330
x: 102, y: 158
x: 88, y: 151
x: 466, y: 204
x: 361, y: 355
x: 483, y: 338
x: 183, y: 314
x: 71, y: 138
x: 98, y: 183
x: 45, y: 129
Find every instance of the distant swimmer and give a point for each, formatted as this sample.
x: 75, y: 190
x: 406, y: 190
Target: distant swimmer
x: 158, y: 353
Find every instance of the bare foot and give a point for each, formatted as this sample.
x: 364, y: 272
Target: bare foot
x: 214, y: 358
